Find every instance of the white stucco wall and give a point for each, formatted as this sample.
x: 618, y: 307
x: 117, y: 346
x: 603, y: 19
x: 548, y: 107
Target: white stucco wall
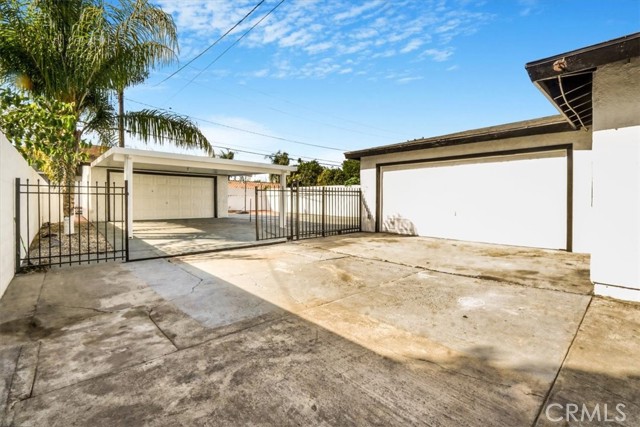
x: 615, y: 260
x: 581, y: 141
x: 223, y: 196
x: 12, y: 166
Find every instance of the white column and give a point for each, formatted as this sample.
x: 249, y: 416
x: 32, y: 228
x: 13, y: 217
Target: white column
x: 128, y: 176
x: 283, y: 200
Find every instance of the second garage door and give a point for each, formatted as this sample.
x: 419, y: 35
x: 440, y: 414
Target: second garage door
x: 171, y: 197
x: 515, y: 200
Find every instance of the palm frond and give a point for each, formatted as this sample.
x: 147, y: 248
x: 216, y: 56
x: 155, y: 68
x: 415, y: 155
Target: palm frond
x: 161, y: 126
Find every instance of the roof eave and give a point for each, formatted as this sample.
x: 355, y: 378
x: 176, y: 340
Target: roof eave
x: 480, y: 135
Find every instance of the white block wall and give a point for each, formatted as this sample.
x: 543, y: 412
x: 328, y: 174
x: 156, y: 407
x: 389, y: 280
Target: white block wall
x: 615, y: 260
x: 12, y: 166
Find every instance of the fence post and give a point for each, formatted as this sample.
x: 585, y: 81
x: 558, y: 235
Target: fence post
x: 17, y: 222
x: 360, y: 209
x: 324, y: 210
x: 297, y: 213
x: 257, y: 217
x: 126, y: 221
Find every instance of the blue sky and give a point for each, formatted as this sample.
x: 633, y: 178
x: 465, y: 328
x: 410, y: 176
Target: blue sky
x: 354, y: 74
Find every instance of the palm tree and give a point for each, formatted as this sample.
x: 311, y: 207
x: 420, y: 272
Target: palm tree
x: 87, y: 52
x: 227, y: 154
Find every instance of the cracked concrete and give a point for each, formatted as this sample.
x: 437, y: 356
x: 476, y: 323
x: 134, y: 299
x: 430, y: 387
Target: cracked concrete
x: 349, y: 330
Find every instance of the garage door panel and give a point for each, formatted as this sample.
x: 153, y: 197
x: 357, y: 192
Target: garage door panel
x: 169, y: 197
x: 515, y: 201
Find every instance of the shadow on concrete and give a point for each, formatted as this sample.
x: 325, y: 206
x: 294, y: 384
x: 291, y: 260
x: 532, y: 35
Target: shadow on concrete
x: 170, y: 343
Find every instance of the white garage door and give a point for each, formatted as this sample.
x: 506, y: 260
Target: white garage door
x: 514, y: 200
x: 170, y: 197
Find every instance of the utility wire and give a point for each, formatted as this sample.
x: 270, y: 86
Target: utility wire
x: 240, y: 129
x: 320, y: 112
x: 291, y: 114
x: 239, y: 148
x: 214, y: 43
x: 226, y: 50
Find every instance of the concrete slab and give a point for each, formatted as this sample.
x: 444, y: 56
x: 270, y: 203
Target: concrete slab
x: 101, y: 344
x: 307, y: 333
x: 441, y: 319
x: 546, y: 269
x: 601, y: 375
x: 21, y: 298
x: 183, y: 236
x: 288, y: 372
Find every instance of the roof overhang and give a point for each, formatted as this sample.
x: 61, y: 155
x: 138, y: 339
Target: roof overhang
x: 541, y: 126
x: 566, y: 79
x: 144, y: 160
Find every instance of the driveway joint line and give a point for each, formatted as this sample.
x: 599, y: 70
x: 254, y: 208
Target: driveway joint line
x: 564, y: 360
x: 161, y: 330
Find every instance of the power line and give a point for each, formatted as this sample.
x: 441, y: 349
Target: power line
x: 330, y: 164
x: 267, y: 154
x: 318, y: 111
x: 214, y: 43
x: 290, y: 114
x: 219, y: 144
x: 226, y: 50
x: 240, y: 129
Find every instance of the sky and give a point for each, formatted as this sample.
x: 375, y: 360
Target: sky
x: 316, y: 78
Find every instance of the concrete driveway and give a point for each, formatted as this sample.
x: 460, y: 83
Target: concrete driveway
x: 350, y: 330
x: 161, y: 238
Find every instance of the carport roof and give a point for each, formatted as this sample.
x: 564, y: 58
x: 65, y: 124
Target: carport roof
x: 185, y: 163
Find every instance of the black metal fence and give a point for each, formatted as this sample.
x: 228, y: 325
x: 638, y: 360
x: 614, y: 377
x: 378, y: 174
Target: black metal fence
x: 306, y: 212
x: 69, y: 225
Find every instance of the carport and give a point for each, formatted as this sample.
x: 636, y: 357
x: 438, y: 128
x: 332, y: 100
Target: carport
x: 176, y: 203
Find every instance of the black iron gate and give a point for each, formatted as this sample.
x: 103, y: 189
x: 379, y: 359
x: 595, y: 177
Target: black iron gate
x: 69, y: 225
x: 307, y: 212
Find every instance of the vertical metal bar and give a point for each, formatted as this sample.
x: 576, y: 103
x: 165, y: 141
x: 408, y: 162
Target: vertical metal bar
x: 60, y: 223
x: 49, y: 220
x: 18, y: 231
x: 28, y: 239
x: 97, y: 226
x: 324, y: 214
x: 75, y: 212
x: 115, y: 248
x: 297, y: 212
x: 88, y: 217
x: 257, y: 216
x: 106, y: 213
x: 359, y: 210
x: 126, y: 221
x: 38, y: 232
x: 69, y: 217
x: 123, y: 230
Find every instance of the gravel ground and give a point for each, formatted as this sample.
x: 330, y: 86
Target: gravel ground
x: 51, y: 241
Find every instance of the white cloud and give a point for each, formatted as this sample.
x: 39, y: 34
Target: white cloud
x: 411, y: 46
x: 356, y: 10
x: 308, y: 31
x: 405, y: 80
x: 438, y: 55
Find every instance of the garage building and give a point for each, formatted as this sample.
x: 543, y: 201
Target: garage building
x: 569, y: 182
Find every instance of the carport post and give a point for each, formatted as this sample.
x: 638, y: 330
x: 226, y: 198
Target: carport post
x: 283, y: 200
x: 128, y: 178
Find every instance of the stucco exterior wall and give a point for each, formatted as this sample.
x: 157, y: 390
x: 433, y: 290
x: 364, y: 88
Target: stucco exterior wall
x: 223, y: 196
x: 582, y: 169
x: 616, y: 95
x: 12, y: 166
x: 615, y: 261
